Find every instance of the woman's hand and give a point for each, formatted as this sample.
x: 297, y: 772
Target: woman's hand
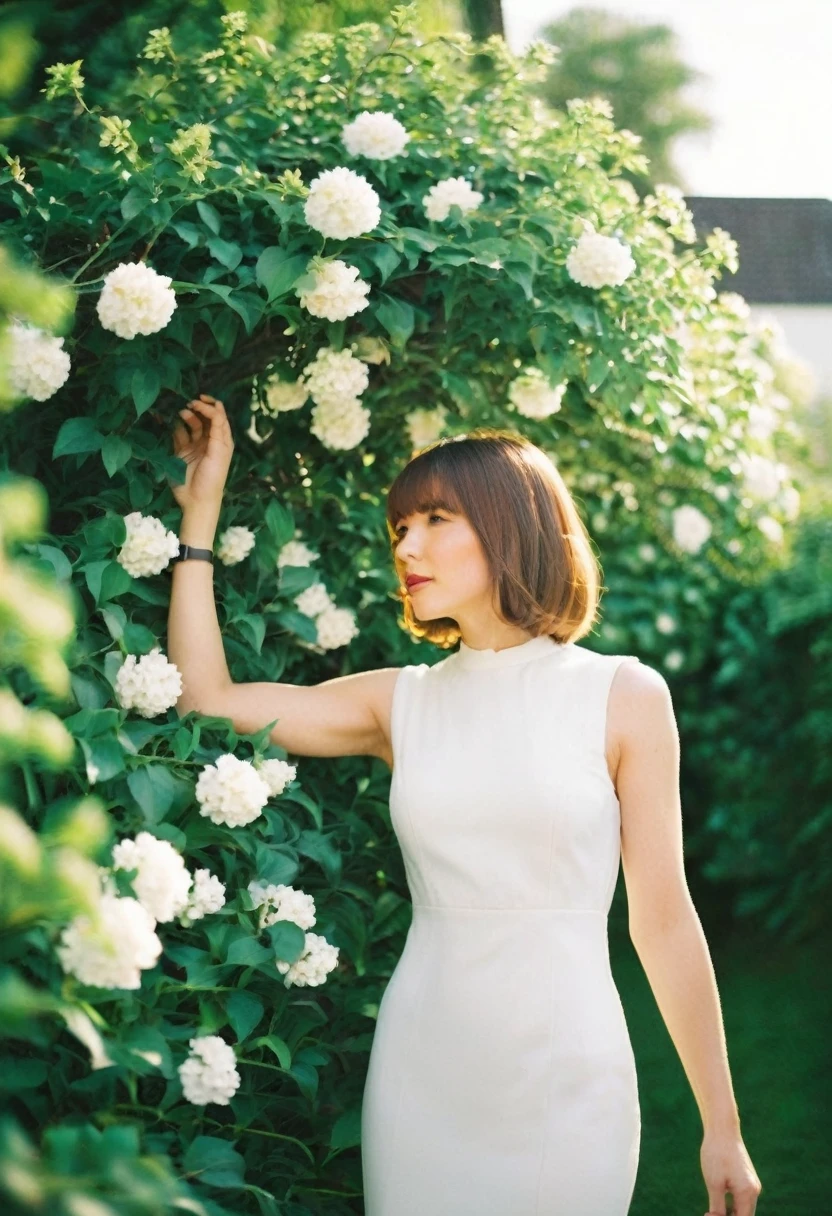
x: 204, y: 441
x: 726, y: 1166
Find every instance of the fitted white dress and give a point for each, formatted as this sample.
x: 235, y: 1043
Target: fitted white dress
x: 501, y: 1080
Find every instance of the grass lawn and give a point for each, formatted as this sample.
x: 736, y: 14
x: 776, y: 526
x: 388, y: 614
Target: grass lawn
x: 777, y: 1002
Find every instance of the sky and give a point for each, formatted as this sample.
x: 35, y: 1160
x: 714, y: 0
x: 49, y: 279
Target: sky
x: 768, y: 88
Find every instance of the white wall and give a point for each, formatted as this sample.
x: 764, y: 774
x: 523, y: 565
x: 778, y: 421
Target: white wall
x: 808, y: 333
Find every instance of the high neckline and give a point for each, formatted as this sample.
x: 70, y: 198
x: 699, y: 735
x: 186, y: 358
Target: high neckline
x: 533, y: 648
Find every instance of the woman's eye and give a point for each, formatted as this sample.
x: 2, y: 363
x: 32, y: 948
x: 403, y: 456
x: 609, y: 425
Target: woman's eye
x: 403, y: 528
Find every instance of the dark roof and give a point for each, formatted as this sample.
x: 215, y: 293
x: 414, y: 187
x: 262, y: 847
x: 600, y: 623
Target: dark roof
x: 785, y: 246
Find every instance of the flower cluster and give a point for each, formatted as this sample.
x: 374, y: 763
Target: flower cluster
x: 296, y: 553
x: 277, y: 774
x: 336, y: 291
x: 335, y: 375
x: 235, y: 544
x: 231, y: 791
x: 690, y: 528
x: 532, y: 395
x: 340, y: 423
x: 425, y: 426
x: 319, y: 957
x: 451, y: 192
x: 209, y: 1074
x: 313, y: 600
x: 38, y: 364
x: 599, y: 261
x: 341, y: 204
x: 336, y: 627
x: 281, y: 902
x: 148, y: 547
x: 150, y: 685
x: 135, y: 300
x: 376, y: 135
x: 162, y: 883
x: 284, y: 395
x: 111, y: 947
x: 207, y: 896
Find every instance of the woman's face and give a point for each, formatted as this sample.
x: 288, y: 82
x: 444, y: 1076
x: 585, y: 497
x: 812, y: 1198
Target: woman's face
x: 443, y: 547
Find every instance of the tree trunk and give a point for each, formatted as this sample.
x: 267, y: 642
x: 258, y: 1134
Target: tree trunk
x: 483, y: 18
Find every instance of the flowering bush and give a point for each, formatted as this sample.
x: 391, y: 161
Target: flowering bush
x: 360, y: 245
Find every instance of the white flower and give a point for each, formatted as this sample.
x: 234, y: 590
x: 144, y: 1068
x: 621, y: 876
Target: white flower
x: 207, y: 896
x: 38, y: 365
x: 790, y: 498
x: 771, y: 529
x: 235, y: 544
x: 761, y: 476
x: 451, y: 191
x: 93, y: 772
x: 296, y: 553
x: 284, y: 395
x: 375, y: 134
x: 135, y: 300
x: 335, y: 374
x: 647, y: 553
x: 230, y: 791
x: 533, y: 396
x: 673, y: 660
x: 210, y: 1072
x: 112, y: 948
x: 341, y: 203
x: 277, y: 774
x: 314, y: 600
x: 336, y: 627
x: 665, y: 623
x: 425, y: 426
x: 599, y: 261
x: 762, y: 421
x: 341, y: 423
x: 148, y: 547
x: 313, y: 966
x: 338, y: 292
x: 690, y: 528
x: 279, y: 902
x: 162, y: 882
x: 150, y: 684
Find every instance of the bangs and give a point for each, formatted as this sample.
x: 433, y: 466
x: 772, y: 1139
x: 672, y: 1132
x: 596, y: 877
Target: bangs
x: 422, y: 485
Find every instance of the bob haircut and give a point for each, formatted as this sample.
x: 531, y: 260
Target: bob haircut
x: 546, y: 575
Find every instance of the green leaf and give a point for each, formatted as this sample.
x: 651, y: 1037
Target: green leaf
x: 154, y: 788
x: 134, y: 201
x: 346, y: 1131
x: 278, y: 271
x: 288, y: 940
x: 294, y: 579
x: 227, y: 253
x: 106, y: 580
x: 398, y: 319
x: 280, y: 522
x: 77, y: 435
x: 244, y: 1012
x: 255, y: 628
x: 320, y: 848
x: 54, y: 557
x: 209, y: 216
x: 145, y: 385
x: 276, y: 865
x: 523, y: 274
x: 106, y: 753
x: 115, y: 452
x: 385, y: 258
x: 280, y: 1048
x: 189, y: 233
x: 215, y: 1163
x: 138, y: 639
x: 247, y: 952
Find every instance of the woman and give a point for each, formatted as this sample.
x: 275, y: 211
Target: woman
x: 501, y: 1080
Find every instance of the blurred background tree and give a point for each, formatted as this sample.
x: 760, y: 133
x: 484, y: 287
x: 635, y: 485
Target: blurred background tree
x: 638, y: 69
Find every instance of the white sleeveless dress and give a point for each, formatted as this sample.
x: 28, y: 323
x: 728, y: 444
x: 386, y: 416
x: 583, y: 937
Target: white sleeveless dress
x: 501, y: 1080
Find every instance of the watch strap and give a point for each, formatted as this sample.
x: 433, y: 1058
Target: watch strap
x: 189, y: 551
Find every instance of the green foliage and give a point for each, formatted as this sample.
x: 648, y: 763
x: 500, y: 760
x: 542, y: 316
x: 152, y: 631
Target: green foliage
x: 200, y: 168
x: 758, y: 729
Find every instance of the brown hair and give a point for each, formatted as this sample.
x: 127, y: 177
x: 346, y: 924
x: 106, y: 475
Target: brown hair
x: 546, y: 574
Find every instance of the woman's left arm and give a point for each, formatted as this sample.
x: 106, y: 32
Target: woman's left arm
x: 664, y: 926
